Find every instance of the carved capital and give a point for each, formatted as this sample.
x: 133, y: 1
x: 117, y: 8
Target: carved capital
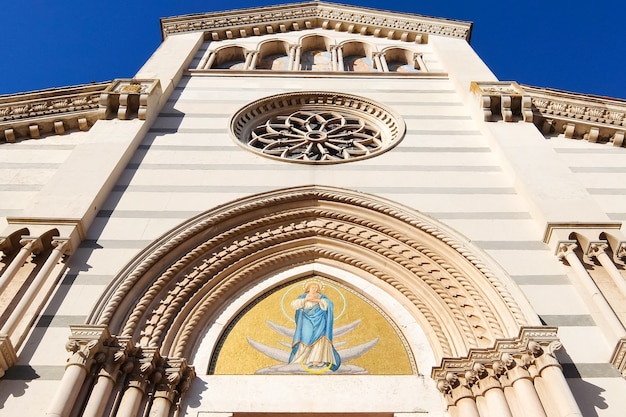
x: 84, y: 342
x: 565, y: 248
x: 11, y: 243
x: 596, y: 248
x: 8, y: 356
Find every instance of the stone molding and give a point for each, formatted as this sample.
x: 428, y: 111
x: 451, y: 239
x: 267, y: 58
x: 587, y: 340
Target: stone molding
x: 554, y: 112
x: 215, y: 255
x: 298, y: 16
x: 516, y: 347
x: 56, y: 111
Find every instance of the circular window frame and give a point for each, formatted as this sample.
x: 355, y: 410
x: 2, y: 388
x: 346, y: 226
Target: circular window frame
x: 254, y: 115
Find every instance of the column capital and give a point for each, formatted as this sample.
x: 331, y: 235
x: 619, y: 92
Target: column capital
x: 8, y: 355
x: 596, y: 248
x: 564, y: 248
x: 84, y: 342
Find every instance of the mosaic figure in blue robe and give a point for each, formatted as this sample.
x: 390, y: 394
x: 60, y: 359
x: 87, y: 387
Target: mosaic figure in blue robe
x: 312, y: 344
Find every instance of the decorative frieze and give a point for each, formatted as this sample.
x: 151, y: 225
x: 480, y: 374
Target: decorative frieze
x: 284, y: 18
x: 56, y: 111
x: 575, y: 116
x: 38, y: 113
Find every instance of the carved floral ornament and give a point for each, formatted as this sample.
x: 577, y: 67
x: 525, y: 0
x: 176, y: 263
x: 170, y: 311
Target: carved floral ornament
x: 179, y: 284
x: 317, y: 127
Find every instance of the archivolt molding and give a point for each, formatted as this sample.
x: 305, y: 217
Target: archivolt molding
x: 191, y: 272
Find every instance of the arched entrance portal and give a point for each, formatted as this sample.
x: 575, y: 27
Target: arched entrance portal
x: 168, y: 315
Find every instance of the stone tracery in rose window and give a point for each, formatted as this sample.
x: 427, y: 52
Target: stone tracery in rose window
x: 316, y: 136
x: 317, y: 127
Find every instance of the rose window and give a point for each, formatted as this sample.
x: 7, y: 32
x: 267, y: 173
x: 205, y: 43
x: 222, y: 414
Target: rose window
x: 316, y: 127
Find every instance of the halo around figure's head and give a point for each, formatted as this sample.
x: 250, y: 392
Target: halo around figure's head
x: 307, y: 284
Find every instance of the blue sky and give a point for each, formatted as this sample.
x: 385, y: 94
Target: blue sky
x: 556, y: 44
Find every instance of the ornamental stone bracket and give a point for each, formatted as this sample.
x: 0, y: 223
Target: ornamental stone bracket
x: 55, y: 111
x: 293, y: 17
x: 554, y: 112
x: 129, y: 98
x: 505, y: 101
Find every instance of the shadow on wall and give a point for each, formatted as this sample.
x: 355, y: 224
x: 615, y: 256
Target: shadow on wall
x: 588, y: 396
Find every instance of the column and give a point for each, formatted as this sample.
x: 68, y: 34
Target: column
x: 566, y: 250
x: 33, y: 289
x: 333, y: 58
x: 29, y: 246
x: 554, y: 383
x: 105, y: 382
x: 205, y: 62
x: 292, y: 58
x: 522, y: 386
x: 84, y: 343
x: 139, y: 368
x: 383, y: 62
x: 296, y: 58
x: 340, y: 65
x: 598, y: 250
x: 462, y: 396
x: 491, y: 389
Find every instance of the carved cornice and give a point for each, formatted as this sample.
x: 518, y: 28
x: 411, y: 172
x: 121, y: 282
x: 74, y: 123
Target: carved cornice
x: 57, y: 111
x: 531, y: 341
x: 292, y: 17
x: 54, y: 111
x: 554, y: 112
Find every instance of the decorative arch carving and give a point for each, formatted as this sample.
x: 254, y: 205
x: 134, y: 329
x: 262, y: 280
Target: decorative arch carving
x: 174, y: 288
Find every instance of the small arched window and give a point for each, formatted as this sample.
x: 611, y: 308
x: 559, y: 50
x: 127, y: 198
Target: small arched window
x: 233, y: 58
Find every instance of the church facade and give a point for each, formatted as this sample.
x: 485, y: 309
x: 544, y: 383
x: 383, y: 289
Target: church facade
x: 313, y: 209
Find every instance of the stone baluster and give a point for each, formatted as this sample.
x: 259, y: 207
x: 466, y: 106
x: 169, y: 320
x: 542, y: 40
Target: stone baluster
x: 555, y: 390
x: 84, y: 343
x: 606, y: 313
x: 525, y: 397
